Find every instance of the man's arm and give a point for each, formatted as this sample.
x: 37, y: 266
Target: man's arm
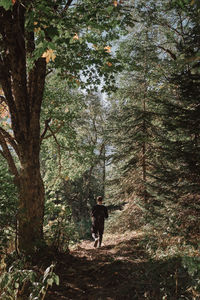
x: 106, y: 212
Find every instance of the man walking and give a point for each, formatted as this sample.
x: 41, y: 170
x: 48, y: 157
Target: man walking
x: 99, y: 213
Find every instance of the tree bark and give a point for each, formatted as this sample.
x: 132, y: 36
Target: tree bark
x: 23, y: 95
x: 31, y: 188
x: 31, y: 206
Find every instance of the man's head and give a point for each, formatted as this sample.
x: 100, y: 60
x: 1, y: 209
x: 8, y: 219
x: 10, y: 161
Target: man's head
x: 99, y: 200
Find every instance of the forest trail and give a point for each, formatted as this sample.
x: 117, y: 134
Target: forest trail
x: 120, y: 269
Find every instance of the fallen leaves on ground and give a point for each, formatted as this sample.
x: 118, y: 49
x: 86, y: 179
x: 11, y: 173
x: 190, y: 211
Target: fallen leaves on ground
x: 120, y: 269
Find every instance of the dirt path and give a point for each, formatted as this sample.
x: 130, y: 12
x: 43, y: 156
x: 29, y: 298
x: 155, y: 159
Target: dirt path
x: 120, y: 269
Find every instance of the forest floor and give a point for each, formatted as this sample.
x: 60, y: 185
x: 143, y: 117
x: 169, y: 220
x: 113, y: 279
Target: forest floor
x: 120, y: 269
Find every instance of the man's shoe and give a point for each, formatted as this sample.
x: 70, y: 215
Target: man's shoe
x: 96, y: 242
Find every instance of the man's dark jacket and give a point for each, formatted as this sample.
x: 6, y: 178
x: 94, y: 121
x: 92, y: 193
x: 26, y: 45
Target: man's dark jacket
x: 99, y: 212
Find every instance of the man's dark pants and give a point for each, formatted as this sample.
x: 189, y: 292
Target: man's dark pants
x: 98, y: 228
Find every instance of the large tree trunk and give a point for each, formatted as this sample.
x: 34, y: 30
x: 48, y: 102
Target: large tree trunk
x: 31, y: 209
x: 23, y: 92
x: 31, y: 188
x: 31, y: 203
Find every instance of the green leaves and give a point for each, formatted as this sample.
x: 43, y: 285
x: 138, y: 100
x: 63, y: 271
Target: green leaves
x: 8, y: 206
x: 12, y: 282
x: 110, y: 9
x: 6, y: 4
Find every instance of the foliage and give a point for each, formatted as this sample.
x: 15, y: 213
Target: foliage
x: 192, y: 265
x: 176, y: 173
x: 164, y: 246
x: 133, y: 122
x: 38, y: 37
x: 20, y: 281
x: 170, y: 137
x: 85, y: 45
x: 8, y: 207
x: 72, y: 155
x: 59, y: 228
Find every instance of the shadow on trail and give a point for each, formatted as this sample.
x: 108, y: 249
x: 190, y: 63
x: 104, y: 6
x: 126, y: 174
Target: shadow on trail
x: 118, y: 271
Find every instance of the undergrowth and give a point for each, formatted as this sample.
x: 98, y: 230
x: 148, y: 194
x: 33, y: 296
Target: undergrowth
x: 21, y: 280
x: 171, y: 255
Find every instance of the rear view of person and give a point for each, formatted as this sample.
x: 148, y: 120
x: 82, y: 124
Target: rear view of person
x: 99, y: 214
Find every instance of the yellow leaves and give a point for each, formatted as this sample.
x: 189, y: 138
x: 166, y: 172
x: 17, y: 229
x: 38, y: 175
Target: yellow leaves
x: 4, y: 113
x: 95, y: 47
x: 36, y: 29
x: 192, y: 58
x: 76, y: 37
x: 107, y: 49
x: 66, y: 178
x: 67, y: 109
x: 109, y: 63
x: 115, y: 3
x: 13, y: 2
x: 162, y: 86
x: 192, y: 2
x: 74, y: 79
x: 49, y: 55
x: 2, y: 263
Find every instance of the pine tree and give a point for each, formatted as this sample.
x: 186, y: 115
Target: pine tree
x: 176, y: 172
x: 133, y: 121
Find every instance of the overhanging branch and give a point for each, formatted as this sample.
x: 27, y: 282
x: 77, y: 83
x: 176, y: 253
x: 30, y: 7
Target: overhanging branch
x: 59, y: 153
x: 8, y: 138
x: 168, y: 51
x: 45, y: 129
x: 69, y: 2
x: 53, y: 133
x: 7, y: 155
x: 5, y: 80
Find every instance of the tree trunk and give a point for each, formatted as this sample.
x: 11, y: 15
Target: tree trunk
x: 31, y: 205
x: 104, y: 169
x: 23, y: 89
x: 31, y: 187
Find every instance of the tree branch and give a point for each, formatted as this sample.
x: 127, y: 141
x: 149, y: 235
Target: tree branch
x: 45, y: 129
x: 52, y: 132
x: 3, y: 99
x: 59, y: 153
x: 37, y: 81
x: 168, y: 51
x: 94, y: 141
x: 171, y: 28
x: 69, y: 2
x: 10, y: 140
x: 1, y: 152
x: 7, y: 155
x: 5, y: 80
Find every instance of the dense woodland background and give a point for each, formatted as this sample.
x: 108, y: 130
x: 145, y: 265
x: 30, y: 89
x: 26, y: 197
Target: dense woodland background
x: 123, y: 123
